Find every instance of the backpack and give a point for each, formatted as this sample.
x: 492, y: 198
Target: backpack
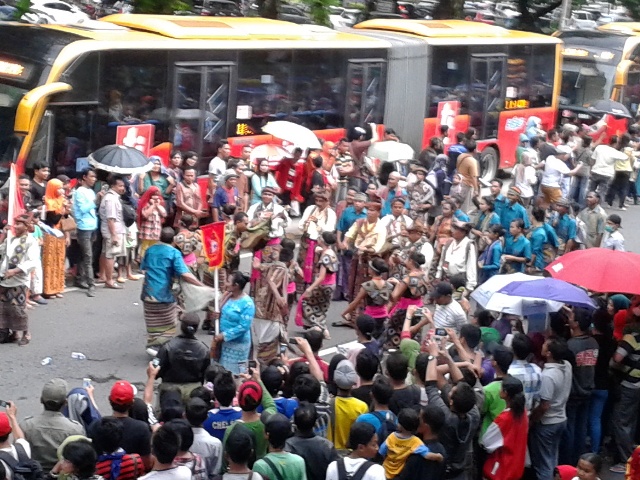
x: 24, y: 468
x: 128, y: 214
x: 362, y: 469
x: 387, y: 425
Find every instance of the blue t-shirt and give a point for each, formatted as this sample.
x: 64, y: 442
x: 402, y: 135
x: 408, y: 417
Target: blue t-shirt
x: 386, y: 206
x: 219, y: 419
x: 499, y: 204
x: 520, y: 247
x: 349, y: 217
x: 540, y: 237
x: 510, y: 213
x: 285, y: 406
x: 565, y: 227
x: 161, y: 264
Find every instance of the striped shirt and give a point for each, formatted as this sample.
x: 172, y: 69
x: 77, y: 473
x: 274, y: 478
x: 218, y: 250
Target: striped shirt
x: 530, y: 375
x: 450, y: 316
x: 131, y: 467
x: 629, y: 349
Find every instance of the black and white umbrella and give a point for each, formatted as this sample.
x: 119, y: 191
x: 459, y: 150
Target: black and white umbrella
x: 120, y: 159
x: 611, y: 107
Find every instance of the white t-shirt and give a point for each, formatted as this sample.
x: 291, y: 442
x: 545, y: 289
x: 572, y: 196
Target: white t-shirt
x: 351, y: 465
x: 553, y: 171
x: 217, y: 167
x: 176, y: 473
x: 12, y: 451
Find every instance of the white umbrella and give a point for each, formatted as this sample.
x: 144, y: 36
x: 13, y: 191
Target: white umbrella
x: 390, y: 151
x: 487, y: 296
x: 273, y: 153
x: 292, y: 132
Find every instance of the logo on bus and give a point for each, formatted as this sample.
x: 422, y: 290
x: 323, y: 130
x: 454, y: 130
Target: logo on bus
x: 515, y: 124
x: 139, y: 137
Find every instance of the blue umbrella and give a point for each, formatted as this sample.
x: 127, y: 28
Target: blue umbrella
x: 550, y: 289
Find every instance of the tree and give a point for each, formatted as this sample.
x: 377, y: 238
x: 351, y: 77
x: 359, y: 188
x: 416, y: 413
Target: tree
x: 319, y: 10
x: 160, y: 7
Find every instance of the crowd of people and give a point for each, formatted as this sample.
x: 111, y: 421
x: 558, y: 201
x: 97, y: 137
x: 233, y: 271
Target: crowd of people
x: 433, y: 386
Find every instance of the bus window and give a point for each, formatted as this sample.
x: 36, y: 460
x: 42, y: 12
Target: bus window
x: 318, y: 84
x: 9, y: 99
x: 83, y: 76
x: 487, y: 93
x: 631, y: 91
x: 365, y: 92
x: 585, y: 82
x: 541, y: 74
x: 449, y: 78
x: 264, y: 85
x: 42, y: 146
x: 201, y: 107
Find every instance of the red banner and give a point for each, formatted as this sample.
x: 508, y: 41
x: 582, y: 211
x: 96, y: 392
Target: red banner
x: 139, y: 137
x: 213, y: 242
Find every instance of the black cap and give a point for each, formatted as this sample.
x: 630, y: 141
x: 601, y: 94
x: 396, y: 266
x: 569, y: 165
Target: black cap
x: 442, y: 290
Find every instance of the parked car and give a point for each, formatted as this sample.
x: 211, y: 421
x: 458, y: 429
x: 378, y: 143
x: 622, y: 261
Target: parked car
x: 7, y: 13
x: 582, y: 20
x: 613, y: 17
x: 220, y: 8
x: 54, y: 12
x: 347, y: 18
x: 294, y: 14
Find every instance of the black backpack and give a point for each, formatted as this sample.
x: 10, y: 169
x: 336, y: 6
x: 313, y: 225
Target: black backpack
x: 342, y: 471
x: 24, y: 468
x: 387, y: 426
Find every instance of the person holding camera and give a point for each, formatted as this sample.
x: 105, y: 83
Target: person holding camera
x: 184, y: 358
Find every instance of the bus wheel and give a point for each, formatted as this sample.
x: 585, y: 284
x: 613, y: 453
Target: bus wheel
x: 488, y: 164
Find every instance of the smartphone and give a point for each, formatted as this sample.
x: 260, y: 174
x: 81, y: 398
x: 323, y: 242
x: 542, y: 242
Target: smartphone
x: 155, y: 362
x: 283, y: 348
x: 4, y: 404
x: 243, y: 366
x: 440, y: 332
x: 293, y: 341
x: 86, y: 382
x: 419, y: 312
x: 253, y: 364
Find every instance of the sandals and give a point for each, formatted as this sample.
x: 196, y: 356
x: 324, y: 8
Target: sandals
x: 113, y: 286
x: 343, y: 323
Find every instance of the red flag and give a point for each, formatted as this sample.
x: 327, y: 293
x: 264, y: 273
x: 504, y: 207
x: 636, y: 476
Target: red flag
x: 213, y: 242
x: 16, y: 205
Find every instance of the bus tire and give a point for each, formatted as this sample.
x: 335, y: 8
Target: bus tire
x: 489, y: 159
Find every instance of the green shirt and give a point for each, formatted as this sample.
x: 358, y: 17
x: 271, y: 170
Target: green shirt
x: 257, y: 427
x: 410, y: 349
x: 289, y: 465
x: 493, y: 405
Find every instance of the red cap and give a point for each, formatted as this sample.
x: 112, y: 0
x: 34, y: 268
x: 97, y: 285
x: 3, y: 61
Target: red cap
x: 5, y: 426
x: 249, y: 389
x: 122, y: 393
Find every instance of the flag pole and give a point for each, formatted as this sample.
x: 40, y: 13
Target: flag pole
x: 216, y: 286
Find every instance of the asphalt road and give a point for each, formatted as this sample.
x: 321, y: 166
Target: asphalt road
x: 109, y: 330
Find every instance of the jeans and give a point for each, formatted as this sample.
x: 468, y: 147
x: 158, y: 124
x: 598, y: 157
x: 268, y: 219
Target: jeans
x: 572, y: 445
x: 85, y: 262
x: 618, y: 188
x: 599, y: 182
x: 579, y: 189
x: 543, y: 448
x: 625, y: 418
x: 596, y: 407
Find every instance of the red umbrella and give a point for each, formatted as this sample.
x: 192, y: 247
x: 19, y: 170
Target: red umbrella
x: 599, y: 270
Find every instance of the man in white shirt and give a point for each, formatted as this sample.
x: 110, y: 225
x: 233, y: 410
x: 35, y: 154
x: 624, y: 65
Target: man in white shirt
x: 218, y: 164
x: 449, y: 313
x: 396, y: 223
x: 605, y: 157
x: 204, y: 444
x: 268, y: 209
x: 18, y: 450
x: 554, y: 169
x: 364, y: 446
x: 613, y: 239
x: 459, y: 256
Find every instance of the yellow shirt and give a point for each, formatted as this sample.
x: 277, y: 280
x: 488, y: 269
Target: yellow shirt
x: 347, y: 409
x: 397, y: 451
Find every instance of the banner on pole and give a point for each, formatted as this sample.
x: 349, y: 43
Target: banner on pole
x: 213, y: 243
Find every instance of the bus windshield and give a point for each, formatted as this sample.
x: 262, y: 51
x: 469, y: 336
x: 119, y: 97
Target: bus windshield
x: 584, y: 82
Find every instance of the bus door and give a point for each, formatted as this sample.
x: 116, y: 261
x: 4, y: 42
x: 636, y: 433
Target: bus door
x: 201, y: 100
x: 487, y: 93
x: 365, y: 91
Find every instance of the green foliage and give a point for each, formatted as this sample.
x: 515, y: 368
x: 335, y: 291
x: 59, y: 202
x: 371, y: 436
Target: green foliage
x: 633, y: 6
x: 319, y: 10
x: 22, y: 7
x: 160, y: 7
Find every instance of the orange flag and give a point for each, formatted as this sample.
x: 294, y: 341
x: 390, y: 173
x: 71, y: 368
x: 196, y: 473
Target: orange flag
x: 213, y: 243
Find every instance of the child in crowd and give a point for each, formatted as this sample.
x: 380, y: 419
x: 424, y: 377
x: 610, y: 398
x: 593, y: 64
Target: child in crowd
x: 402, y: 443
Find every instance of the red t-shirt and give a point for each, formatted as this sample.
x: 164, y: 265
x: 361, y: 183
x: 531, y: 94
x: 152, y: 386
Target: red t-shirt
x: 507, y: 461
x: 131, y: 468
x: 324, y: 366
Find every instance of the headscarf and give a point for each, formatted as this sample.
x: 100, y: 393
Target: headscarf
x: 144, y: 201
x: 620, y: 302
x: 52, y: 199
